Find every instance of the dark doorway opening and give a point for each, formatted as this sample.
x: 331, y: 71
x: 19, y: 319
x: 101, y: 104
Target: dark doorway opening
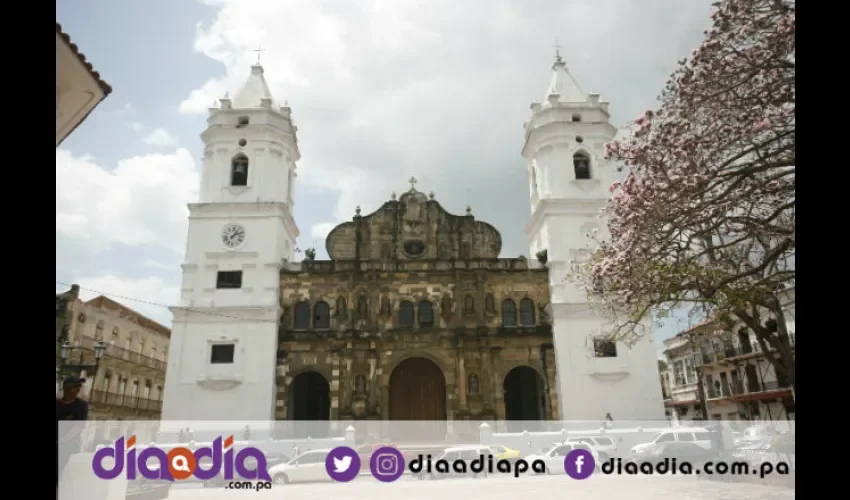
x: 310, y: 405
x: 525, y: 401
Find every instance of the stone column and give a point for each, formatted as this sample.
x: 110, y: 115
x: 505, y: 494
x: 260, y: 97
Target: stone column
x: 334, y: 410
x: 461, y: 381
x: 282, y: 385
x: 485, y: 382
x: 374, y: 397
x: 498, y: 394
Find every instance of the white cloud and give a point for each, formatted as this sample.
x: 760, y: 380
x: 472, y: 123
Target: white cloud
x: 152, y: 294
x: 155, y: 264
x: 320, y: 231
x: 160, y: 137
x: 142, y: 201
x: 438, y: 89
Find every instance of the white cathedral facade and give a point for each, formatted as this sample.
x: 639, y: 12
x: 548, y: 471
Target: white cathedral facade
x: 222, y: 361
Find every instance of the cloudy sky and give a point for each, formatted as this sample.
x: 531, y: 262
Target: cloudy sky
x: 380, y: 90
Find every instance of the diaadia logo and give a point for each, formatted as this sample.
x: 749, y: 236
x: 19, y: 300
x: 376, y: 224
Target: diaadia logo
x: 181, y: 463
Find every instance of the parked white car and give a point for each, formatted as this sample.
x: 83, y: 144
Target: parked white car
x: 700, y: 436
x: 605, y: 446
x: 554, y: 457
x: 305, y: 468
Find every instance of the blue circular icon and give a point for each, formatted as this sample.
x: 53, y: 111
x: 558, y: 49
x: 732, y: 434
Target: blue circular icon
x: 387, y: 464
x: 579, y: 464
x: 342, y: 464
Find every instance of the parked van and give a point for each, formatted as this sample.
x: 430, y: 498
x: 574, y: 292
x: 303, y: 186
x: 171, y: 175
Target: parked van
x: 700, y: 436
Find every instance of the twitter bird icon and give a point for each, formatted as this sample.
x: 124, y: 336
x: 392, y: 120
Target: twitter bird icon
x: 343, y: 464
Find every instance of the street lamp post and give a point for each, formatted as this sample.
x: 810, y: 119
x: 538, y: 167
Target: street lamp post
x: 65, y: 367
x: 698, y: 366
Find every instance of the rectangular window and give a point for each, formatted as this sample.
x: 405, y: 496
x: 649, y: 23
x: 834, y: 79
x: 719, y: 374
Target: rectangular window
x: 603, y: 348
x: 222, y: 354
x: 228, y: 279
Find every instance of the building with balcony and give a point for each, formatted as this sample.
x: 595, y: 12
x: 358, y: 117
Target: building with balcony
x: 79, y: 88
x: 738, y: 381
x: 129, y: 381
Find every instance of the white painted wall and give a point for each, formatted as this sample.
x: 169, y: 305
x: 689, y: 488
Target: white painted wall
x: 564, y: 210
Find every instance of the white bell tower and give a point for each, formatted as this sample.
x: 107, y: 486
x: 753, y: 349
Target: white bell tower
x: 223, y: 348
x: 569, y: 181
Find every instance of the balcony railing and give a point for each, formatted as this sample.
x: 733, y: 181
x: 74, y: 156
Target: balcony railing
x: 125, y: 401
x: 115, y: 352
x: 737, y: 389
x: 721, y: 352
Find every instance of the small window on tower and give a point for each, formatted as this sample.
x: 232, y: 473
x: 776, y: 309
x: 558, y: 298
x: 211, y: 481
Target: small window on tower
x: 576, y: 118
x: 243, y: 120
x: 222, y: 354
x: 604, y: 348
x: 239, y: 170
x: 242, y: 143
x: 581, y: 163
x: 228, y: 279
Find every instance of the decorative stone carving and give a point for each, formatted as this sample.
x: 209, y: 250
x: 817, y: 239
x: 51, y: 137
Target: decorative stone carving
x: 490, y: 304
x: 472, y: 385
x: 386, y: 308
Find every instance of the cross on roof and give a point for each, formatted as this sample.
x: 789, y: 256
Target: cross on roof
x: 258, y: 50
x: 412, y: 182
x: 557, y: 50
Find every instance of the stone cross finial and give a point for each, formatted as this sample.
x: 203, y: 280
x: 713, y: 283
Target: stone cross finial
x: 558, y: 52
x: 468, y: 210
x: 258, y: 50
x: 412, y: 182
x: 431, y: 195
x: 393, y: 195
x: 357, y: 210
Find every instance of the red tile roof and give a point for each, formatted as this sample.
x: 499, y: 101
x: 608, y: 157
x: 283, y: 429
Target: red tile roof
x: 107, y: 89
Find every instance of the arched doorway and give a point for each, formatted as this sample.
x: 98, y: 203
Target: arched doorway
x: 417, y: 392
x: 309, y: 404
x: 525, y: 399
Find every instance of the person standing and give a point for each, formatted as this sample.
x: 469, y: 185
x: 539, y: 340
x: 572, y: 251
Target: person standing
x: 71, y: 414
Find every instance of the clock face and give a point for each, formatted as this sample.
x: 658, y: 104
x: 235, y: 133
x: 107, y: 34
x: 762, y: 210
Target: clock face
x: 233, y: 235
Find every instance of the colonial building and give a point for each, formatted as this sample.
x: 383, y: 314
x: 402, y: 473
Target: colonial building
x: 415, y: 316
x: 738, y: 381
x: 130, y: 375
x: 79, y: 88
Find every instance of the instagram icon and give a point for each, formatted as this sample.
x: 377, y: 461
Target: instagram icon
x: 387, y: 464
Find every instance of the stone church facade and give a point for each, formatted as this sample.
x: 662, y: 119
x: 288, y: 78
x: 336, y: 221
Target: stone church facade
x: 415, y: 317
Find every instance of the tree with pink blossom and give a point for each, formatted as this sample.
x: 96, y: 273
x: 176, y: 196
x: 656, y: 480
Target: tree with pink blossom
x: 705, y: 216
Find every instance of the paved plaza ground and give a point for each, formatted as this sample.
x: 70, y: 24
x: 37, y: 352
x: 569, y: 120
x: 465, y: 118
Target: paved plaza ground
x: 507, y: 488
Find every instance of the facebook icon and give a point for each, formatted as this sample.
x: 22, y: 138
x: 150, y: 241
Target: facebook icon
x: 579, y: 464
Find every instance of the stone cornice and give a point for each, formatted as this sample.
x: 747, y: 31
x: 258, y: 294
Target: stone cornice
x: 244, y: 210
x: 418, y: 266
x: 195, y: 314
x: 563, y: 207
x: 543, y: 331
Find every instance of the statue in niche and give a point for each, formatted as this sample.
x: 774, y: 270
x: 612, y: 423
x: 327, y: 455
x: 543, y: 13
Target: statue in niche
x: 386, y: 307
x: 446, y: 308
x: 468, y: 305
x: 341, y: 308
x: 490, y: 304
x: 362, y: 307
x: 473, y: 384
x: 360, y: 386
